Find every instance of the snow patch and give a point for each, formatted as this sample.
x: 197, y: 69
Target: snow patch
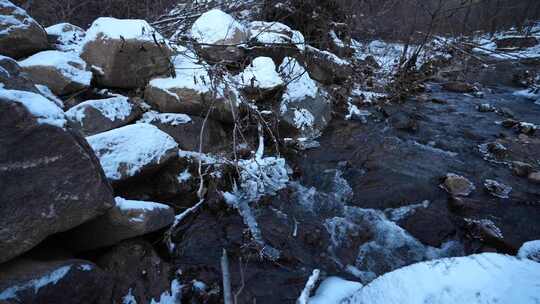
x: 261, y: 73
x: 530, y: 250
x: 172, y: 119
x: 35, y: 284
x: 40, y: 107
x: 112, y: 28
x: 126, y: 205
x: 115, y: 108
x: 215, y: 26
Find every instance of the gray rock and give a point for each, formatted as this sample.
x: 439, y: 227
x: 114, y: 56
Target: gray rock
x: 326, y: 67
x: 51, y: 180
x: 69, y: 281
x: 457, y: 185
x: 96, y: 116
x: 127, y: 219
x: 20, y: 35
x: 497, y: 189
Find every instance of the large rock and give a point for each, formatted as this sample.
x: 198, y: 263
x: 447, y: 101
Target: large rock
x: 125, y: 53
x: 20, y: 35
x: 13, y: 78
x: 127, y: 219
x: 326, y: 67
x: 51, y: 180
x: 193, y: 91
x: 186, y: 131
x: 482, y: 278
x: 96, y: 116
x: 304, y: 109
x: 260, y: 80
x: 132, y: 150
x: 219, y: 37
x: 458, y: 87
x: 275, y: 40
x: 137, y: 272
x: 62, y: 72
x: 65, y: 36
x: 69, y: 281
x: 457, y: 185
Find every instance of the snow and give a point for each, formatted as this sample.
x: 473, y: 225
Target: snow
x: 303, y: 119
x: 46, y: 92
x: 69, y: 64
x: 125, y: 151
x: 112, y: 28
x: 477, y: 279
x: 215, y: 26
x: 261, y: 73
x: 487, y: 46
x: 40, y: 107
x: 262, y: 176
x: 530, y: 250
x: 114, y: 108
x: 334, y: 290
x: 172, y: 119
x: 35, y: 284
x: 300, y: 85
x: 531, y: 94
x: 184, y: 176
x: 126, y: 205
x: 17, y: 18
x: 69, y: 36
x: 129, y: 298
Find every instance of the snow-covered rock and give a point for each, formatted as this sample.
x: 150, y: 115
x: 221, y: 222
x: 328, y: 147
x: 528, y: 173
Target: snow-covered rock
x: 193, y: 91
x: 127, y: 219
x: 68, y: 281
x: 125, y: 53
x: 20, y: 35
x: 96, y: 116
x: 62, y: 72
x: 51, y: 169
x: 304, y: 107
x: 260, y: 80
x: 275, y: 40
x: 66, y: 36
x: 219, y: 36
x: 132, y: 150
x: 530, y: 250
x: 44, y: 110
x: 481, y: 278
x: 326, y: 67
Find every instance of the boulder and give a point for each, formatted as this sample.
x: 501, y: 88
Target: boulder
x: 20, y: 35
x: 136, y: 272
x: 304, y: 108
x: 125, y: 53
x: 193, y: 91
x: 325, y: 67
x: 447, y: 280
x: 51, y: 180
x: 457, y: 185
x: 458, y: 87
x: 132, y: 150
x: 275, y: 40
x: 534, y: 177
x: 186, y: 131
x: 13, y: 78
x: 497, y: 189
x: 127, y: 219
x: 260, y: 81
x: 96, y: 116
x: 65, y: 36
x: 62, y: 72
x: 516, y: 42
x: 69, y: 281
x: 220, y: 37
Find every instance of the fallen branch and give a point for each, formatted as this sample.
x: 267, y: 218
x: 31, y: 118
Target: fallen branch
x: 310, y: 284
x: 227, y: 293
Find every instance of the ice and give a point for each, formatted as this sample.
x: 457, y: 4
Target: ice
x: 170, y: 297
x: 69, y: 64
x: 46, y: 111
x: 127, y: 150
x: 35, y: 284
x: 172, y: 119
x: 477, y: 279
x: 114, y: 108
x: 275, y: 33
x: 261, y: 73
x: 530, y: 250
x: 215, y: 26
